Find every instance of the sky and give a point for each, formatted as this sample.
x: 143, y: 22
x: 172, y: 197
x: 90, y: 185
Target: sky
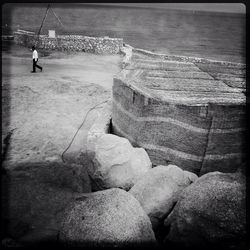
x: 215, y: 7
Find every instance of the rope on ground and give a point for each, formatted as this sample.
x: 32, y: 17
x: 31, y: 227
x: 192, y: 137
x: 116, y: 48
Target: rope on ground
x: 85, y: 117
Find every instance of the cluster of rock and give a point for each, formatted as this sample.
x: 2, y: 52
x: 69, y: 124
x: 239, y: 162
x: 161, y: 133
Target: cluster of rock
x: 210, y: 212
x: 116, y: 163
x: 99, y: 45
x: 134, y: 203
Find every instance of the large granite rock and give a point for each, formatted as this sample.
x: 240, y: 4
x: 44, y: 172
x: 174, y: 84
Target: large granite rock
x: 210, y: 212
x: 158, y: 190
x: 115, y: 163
x: 111, y: 217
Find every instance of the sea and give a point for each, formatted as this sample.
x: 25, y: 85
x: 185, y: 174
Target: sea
x: 212, y: 35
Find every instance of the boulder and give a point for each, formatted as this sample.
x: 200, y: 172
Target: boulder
x: 157, y: 191
x: 210, y: 212
x: 33, y: 205
x: 111, y: 217
x: 191, y: 176
x: 115, y: 163
x: 181, y: 177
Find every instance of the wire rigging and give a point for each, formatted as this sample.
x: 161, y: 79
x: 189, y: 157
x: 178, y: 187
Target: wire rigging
x: 46, y: 13
x: 56, y: 16
x: 43, y: 20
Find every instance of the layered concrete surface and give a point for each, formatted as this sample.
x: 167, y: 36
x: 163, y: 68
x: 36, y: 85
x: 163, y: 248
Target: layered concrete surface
x: 186, y: 111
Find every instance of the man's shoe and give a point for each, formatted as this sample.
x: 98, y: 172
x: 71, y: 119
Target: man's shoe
x: 41, y: 69
x: 33, y: 71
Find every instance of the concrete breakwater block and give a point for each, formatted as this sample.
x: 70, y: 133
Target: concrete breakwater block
x: 191, y: 114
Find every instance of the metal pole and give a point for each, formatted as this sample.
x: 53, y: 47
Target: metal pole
x: 43, y: 20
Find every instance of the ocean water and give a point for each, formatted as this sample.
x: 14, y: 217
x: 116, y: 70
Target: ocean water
x: 219, y: 36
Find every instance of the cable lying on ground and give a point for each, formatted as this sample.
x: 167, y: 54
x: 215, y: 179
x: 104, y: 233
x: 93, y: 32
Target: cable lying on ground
x: 85, y: 117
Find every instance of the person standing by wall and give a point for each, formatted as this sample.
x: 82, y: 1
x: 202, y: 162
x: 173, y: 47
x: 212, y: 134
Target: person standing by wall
x: 35, y: 60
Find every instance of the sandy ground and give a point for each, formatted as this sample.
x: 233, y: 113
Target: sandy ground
x: 44, y: 111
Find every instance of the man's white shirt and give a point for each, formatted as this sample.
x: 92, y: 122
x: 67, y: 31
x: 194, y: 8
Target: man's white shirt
x: 35, y: 55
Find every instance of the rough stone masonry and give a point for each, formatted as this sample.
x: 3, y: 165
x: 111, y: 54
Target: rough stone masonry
x: 98, y: 45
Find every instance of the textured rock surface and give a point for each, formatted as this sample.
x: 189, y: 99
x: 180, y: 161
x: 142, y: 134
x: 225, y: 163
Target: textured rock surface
x: 211, y: 211
x: 100, y: 127
x: 127, y: 52
x: 99, y: 45
x: 182, y: 178
x: 157, y: 191
x: 115, y: 163
x: 33, y: 198
x: 109, y: 217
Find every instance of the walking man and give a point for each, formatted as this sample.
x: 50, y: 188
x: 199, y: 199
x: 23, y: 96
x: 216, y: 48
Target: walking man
x: 35, y: 60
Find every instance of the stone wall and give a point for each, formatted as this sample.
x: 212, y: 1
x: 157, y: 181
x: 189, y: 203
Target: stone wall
x: 99, y: 45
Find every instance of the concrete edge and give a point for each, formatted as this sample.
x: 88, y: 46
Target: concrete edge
x: 185, y: 58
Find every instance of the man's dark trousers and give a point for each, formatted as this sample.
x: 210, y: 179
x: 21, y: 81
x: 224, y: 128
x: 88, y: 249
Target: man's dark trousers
x: 36, y: 65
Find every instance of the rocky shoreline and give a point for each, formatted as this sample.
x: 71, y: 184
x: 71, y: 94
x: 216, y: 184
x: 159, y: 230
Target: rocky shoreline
x: 113, y: 196
x: 131, y: 203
